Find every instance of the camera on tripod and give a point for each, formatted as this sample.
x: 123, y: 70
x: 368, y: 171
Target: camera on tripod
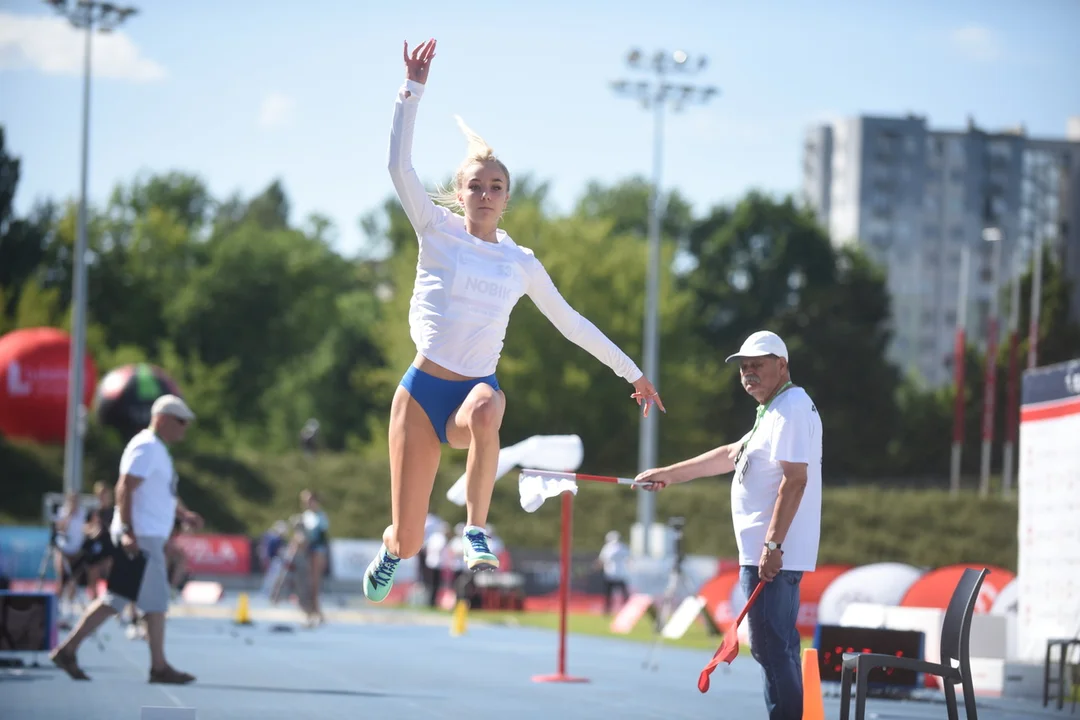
x: 677, y: 524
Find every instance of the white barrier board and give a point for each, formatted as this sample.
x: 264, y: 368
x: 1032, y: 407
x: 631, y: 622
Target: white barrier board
x: 1049, y: 507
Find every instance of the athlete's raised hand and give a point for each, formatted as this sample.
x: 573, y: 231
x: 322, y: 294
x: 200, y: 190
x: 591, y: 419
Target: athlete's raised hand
x: 418, y: 64
x: 646, y: 394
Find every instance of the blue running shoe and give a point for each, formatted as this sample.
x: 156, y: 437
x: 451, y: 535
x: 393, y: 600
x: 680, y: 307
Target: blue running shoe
x: 379, y: 576
x: 478, y: 555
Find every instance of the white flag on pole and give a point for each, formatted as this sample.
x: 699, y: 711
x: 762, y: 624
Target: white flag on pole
x: 508, y: 458
x: 535, y: 489
x: 544, y: 452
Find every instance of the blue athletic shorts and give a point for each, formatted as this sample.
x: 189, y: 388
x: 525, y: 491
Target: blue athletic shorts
x: 440, y: 398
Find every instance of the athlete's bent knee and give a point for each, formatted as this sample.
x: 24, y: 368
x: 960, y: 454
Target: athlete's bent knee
x: 484, y: 416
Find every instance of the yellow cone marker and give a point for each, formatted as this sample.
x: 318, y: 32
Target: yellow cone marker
x: 460, y: 619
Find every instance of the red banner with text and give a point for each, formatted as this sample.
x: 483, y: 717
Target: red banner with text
x: 216, y: 554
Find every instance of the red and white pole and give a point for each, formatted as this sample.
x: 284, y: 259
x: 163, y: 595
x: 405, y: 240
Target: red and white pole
x: 992, y: 235
x: 958, y: 372
x: 1036, y: 304
x: 1012, y: 390
x: 564, y: 589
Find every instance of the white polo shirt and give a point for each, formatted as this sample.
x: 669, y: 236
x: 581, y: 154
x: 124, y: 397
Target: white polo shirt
x: 72, y: 538
x: 615, y: 557
x: 153, y: 504
x: 789, y: 431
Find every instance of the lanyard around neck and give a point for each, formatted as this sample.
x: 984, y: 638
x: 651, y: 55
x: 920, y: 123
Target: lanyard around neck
x: 761, y: 412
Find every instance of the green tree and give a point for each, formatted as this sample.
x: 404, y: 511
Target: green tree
x: 24, y: 256
x: 764, y: 264
x: 920, y: 447
x: 626, y: 205
x: 262, y: 299
x: 146, y: 245
x: 269, y: 210
x: 1059, y: 331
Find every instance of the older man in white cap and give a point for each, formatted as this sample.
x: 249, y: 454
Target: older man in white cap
x: 775, y: 508
x: 147, y: 506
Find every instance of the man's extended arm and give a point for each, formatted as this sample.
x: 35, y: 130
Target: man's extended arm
x: 718, y: 461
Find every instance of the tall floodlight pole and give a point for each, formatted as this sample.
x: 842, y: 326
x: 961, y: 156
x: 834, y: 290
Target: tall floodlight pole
x: 959, y: 349
x: 88, y: 15
x: 1012, y: 392
x: 1038, y: 237
x: 668, y: 85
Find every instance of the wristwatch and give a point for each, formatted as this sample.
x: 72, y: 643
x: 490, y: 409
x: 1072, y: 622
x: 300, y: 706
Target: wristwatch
x: 126, y: 530
x: 772, y: 545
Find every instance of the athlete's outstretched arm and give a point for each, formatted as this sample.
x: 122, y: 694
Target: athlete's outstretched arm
x: 414, y: 198
x: 579, y: 330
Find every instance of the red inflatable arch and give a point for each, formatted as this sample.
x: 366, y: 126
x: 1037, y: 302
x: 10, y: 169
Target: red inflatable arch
x: 34, y: 383
x: 810, y: 591
x: 724, y: 599
x: 935, y: 588
x: 717, y: 594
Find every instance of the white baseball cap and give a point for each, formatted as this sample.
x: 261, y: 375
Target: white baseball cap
x: 172, y: 405
x: 760, y: 344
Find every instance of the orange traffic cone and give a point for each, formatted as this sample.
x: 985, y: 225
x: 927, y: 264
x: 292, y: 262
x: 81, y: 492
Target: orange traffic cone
x: 813, y: 704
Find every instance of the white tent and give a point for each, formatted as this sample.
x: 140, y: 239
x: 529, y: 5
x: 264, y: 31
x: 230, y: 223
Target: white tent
x: 880, y: 583
x: 1006, y: 601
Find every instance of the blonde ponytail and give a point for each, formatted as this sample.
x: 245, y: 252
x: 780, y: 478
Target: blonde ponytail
x: 477, y: 150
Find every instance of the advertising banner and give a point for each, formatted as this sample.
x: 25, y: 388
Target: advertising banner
x: 349, y: 559
x: 540, y: 569
x: 1049, y: 540
x: 21, y: 551
x: 216, y: 554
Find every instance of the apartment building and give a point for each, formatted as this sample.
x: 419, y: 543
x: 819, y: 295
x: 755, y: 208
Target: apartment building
x: 913, y: 198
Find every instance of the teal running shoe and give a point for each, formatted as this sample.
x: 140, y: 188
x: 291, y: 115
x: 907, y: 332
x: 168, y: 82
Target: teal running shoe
x: 379, y: 576
x: 478, y: 555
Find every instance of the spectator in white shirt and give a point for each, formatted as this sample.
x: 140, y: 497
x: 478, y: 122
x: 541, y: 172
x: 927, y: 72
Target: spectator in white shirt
x: 434, y: 554
x: 613, y: 558
x: 317, y: 544
x: 147, y: 506
x: 70, y: 525
x: 454, y: 560
x: 775, y: 508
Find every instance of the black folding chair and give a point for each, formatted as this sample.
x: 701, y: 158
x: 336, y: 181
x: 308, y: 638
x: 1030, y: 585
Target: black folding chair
x: 954, y: 668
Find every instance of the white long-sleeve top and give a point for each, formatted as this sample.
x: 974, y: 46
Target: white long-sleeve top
x: 465, y: 287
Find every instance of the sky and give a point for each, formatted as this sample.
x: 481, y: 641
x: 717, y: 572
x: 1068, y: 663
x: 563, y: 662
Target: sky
x: 243, y: 93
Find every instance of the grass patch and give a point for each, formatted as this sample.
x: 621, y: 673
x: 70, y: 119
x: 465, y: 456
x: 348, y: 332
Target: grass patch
x: 599, y: 626
x: 697, y: 636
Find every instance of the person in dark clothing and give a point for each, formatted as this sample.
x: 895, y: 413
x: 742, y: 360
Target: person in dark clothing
x: 97, y: 549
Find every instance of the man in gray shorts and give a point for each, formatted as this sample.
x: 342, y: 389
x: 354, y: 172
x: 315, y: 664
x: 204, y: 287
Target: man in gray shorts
x: 147, y: 506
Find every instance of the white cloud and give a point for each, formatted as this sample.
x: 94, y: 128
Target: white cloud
x: 276, y: 110
x: 53, y: 46
x: 976, y: 43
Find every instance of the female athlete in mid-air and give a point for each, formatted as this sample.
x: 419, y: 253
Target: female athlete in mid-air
x: 469, y: 276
